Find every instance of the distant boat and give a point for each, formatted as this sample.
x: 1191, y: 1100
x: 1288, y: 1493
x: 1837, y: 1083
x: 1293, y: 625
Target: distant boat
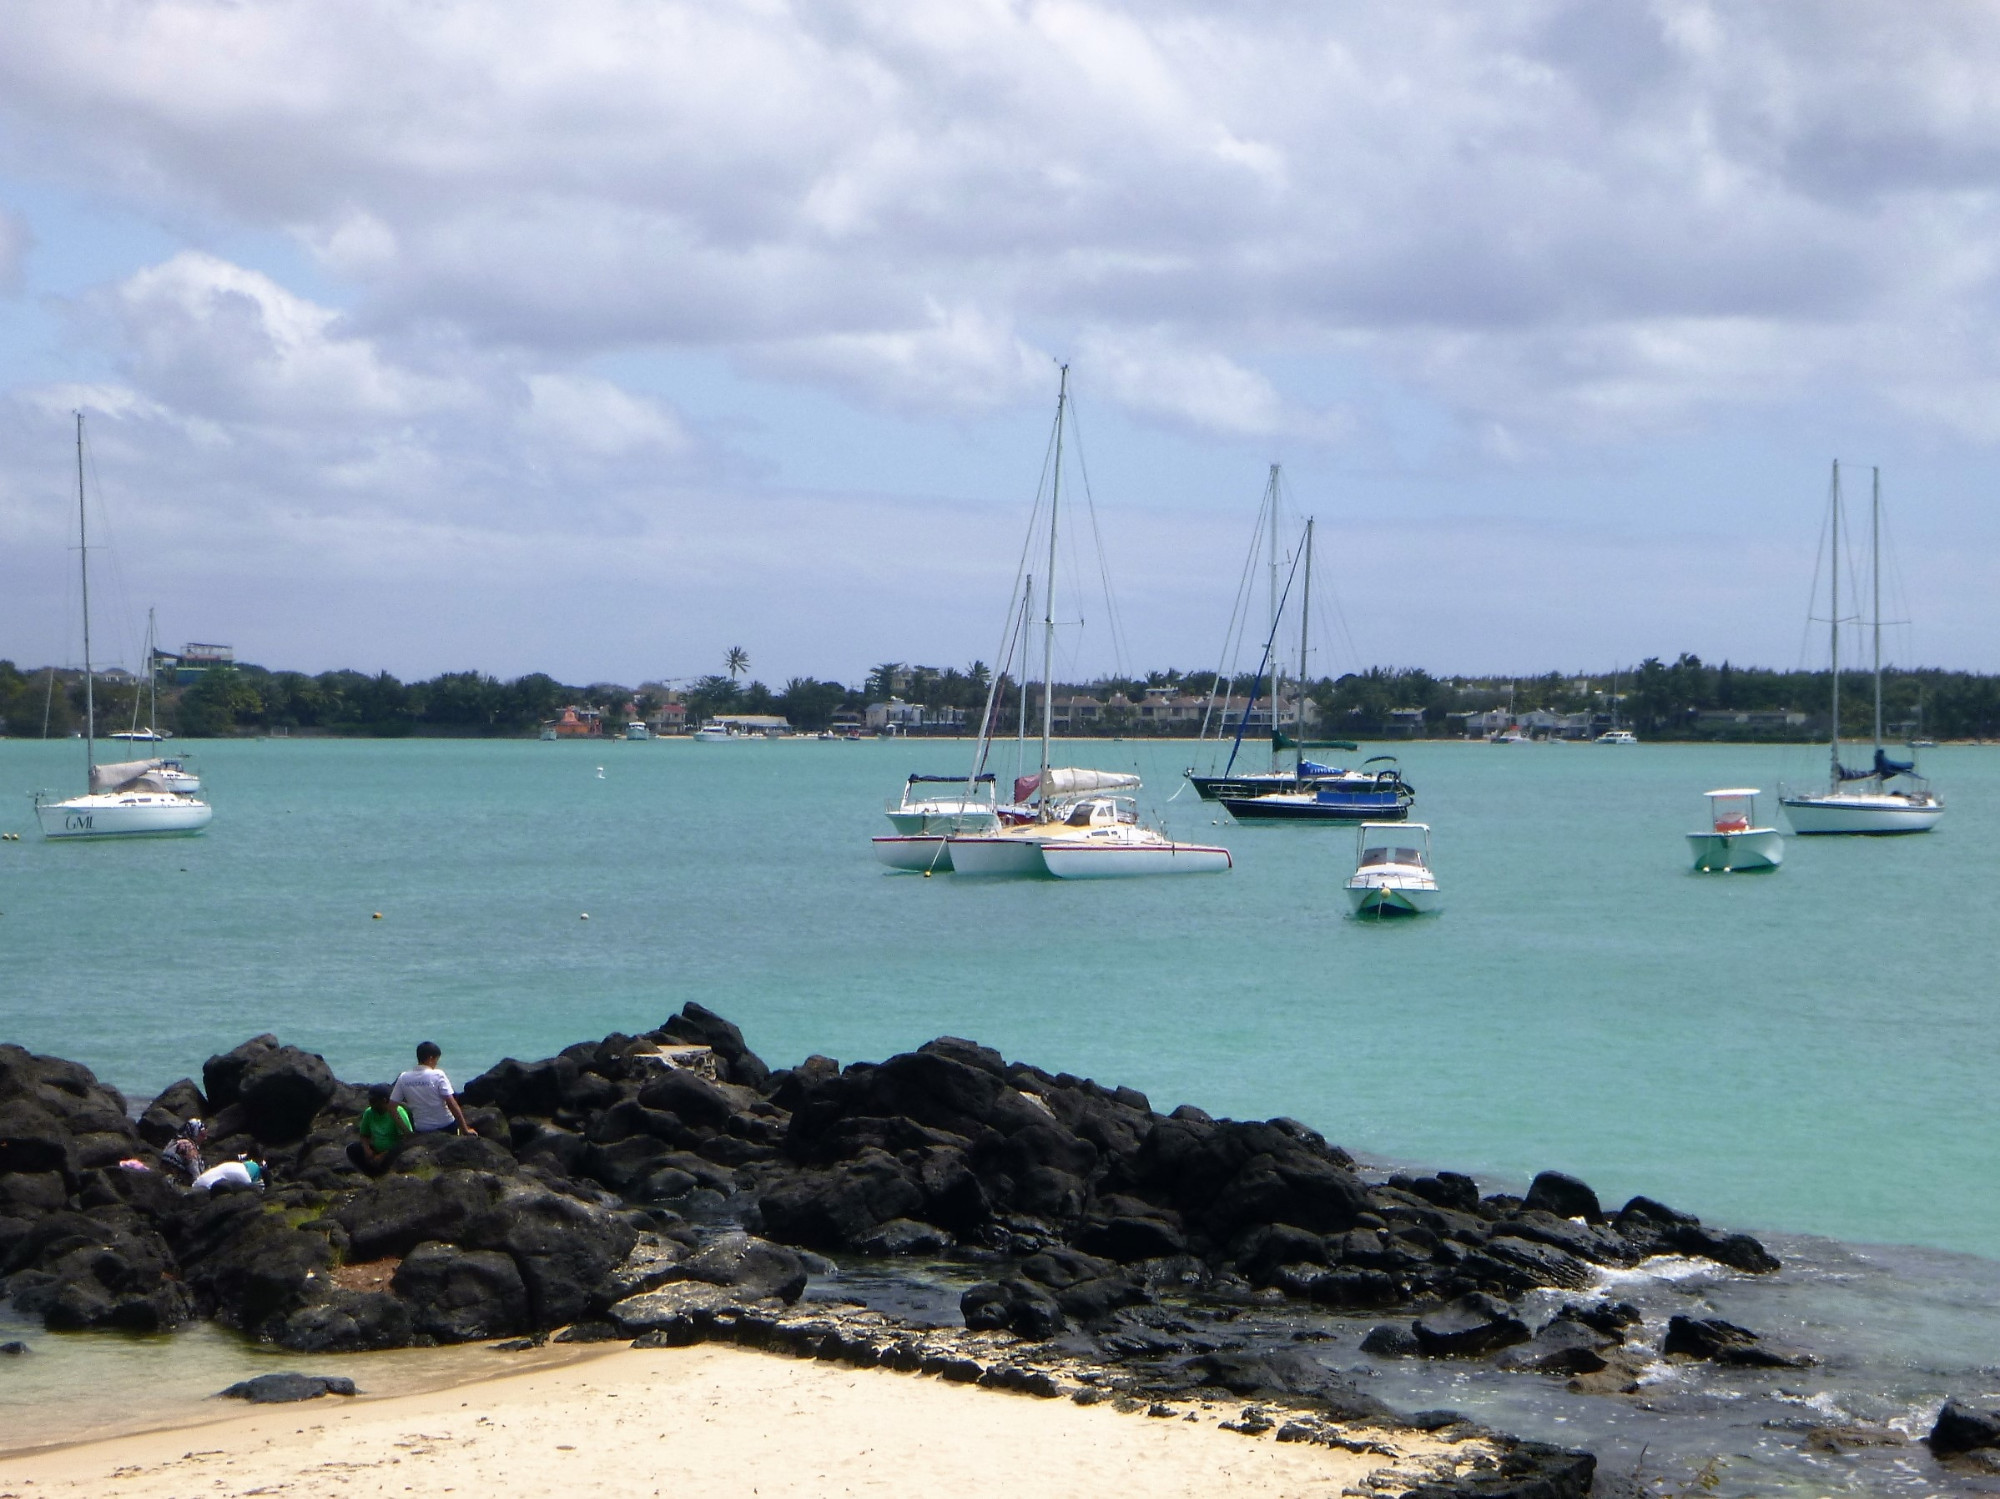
x: 1891, y: 797
x: 1734, y: 842
x: 722, y: 733
x: 125, y: 799
x: 637, y: 730
x: 171, y: 774
x: 1066, y: 805
x: 1392, y: 871
x: 1617, y: 736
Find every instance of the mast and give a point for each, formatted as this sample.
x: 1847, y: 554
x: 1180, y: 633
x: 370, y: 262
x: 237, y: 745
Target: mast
x: 1305, y: 616
x: 152, y: 672
x: 83, y: 561
x: 1049, y: 599
x: 1277, y: 676
x: 1875, y: 583
x: 1021, y: 718
x: 1833, y: 623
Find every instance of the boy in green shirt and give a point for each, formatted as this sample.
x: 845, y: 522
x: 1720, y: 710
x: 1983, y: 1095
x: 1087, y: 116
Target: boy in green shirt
x: 383, y: 1126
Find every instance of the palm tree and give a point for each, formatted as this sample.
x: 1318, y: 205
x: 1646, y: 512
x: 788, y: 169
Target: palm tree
x: 736, y: 661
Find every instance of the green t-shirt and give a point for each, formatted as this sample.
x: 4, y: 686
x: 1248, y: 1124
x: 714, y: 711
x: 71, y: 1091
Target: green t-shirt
x: 383, y: 1130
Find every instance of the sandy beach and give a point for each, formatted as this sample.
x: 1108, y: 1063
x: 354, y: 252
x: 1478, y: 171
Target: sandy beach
x: 709, y: 1420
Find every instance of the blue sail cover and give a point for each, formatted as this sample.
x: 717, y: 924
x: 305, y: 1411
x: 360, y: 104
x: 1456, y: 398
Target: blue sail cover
x: 1848, y: 774
x: 1885, y: 767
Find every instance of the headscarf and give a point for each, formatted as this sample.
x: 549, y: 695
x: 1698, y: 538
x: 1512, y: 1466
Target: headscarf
x: 183, y: 1152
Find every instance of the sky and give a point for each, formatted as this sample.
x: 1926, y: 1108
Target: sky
x: 599, y: 338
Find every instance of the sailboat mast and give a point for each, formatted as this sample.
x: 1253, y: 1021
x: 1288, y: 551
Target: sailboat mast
x: 1021, y: 718
x: 1305, y: 617
x: 1049, y: 598
x: 1277, y: 676
x: 1875, y: 583
x: 83, y: 560
x: 1833, y: 624
x: 152, y: 673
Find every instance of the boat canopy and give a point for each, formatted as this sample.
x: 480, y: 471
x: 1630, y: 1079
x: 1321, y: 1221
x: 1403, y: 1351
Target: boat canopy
x: 1735, y: 791
x: 1070, y: 780
x: 918, y: 780
x: 122, y: 774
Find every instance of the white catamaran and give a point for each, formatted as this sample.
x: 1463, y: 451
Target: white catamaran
x: 1072, y: 831
x: 127, y: 799
x: 1889, y: 796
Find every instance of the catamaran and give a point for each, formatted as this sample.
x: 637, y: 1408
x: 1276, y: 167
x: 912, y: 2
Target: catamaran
x: 1064, y: 806
x: 1888, y: 796
x: 126, y: 799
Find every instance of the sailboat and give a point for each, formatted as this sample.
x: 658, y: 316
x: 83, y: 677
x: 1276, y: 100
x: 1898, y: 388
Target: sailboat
x: 1343, y: 796
x: 126, y: 799
x: 172, y: 774
x: 1303, y: 772
x: 1077, y: 827
x: 1889, y: 796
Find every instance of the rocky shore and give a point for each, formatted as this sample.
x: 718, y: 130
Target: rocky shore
x: 671, y: 1188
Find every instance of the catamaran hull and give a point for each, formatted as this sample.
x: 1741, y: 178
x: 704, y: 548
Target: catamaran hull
x: 984, y: 856
x: 1394, y: 900
x: 1112, y: 861
x: 915, y: 853
x: 973, y: 820
x: 1735, y: 853
x: 1878, y: 816
x: 124, y: 817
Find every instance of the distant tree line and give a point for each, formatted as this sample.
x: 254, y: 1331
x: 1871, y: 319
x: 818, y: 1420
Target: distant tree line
x: 1659, y: 699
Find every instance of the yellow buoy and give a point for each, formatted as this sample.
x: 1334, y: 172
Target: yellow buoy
x: 378, y: 915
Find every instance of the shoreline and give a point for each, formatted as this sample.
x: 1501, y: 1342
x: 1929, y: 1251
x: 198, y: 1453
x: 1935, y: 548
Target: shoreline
x: 721, y: 1420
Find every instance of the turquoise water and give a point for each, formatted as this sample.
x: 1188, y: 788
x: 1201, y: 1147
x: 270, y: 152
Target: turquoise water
x: 1803, y: 1051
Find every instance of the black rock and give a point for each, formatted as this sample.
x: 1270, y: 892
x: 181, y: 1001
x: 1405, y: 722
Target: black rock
x: 276, y: 1389
x: 1960, y: 1428
x: 281, y: 1088
x: 1129, y: 1238
x: 1390, y: 1341
x: 1472, y: 1325
x: 462, y: 1295
x: 1283, y: 1372
x: 754, y: 1268
x: 1725, y: 1343
x: 222, y: 1076
x: 1563, y: 1195
x: 904, y: 1236
x: 1564, y: 1346
x: 1013, y: 1305
x: 349, y: 1322
x: 699, y: 1026
x: 12, y: 1350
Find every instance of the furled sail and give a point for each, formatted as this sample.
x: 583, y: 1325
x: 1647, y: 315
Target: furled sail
x: 125, y: 775
x: 1072, y: 780
x: 1885, y: 767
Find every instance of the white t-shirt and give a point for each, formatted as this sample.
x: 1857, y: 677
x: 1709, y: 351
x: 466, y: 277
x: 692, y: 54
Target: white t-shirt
x: 230, y: 1174
x: 423, y: 1091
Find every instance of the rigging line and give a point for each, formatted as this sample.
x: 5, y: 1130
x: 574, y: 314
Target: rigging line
x: 1119, y: 654
x: 1020, y: 572
x: 120, y: 599
x: 1232, y: 637
x: 1812, y: 598
x: 1270, y: 644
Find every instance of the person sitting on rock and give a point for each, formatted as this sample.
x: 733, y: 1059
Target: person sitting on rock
x: 231, y: 1176
x: 382, y: 1126
x: 426, y: 1092
x: 183, y: 1152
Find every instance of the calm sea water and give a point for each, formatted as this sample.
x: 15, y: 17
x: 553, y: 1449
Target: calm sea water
x: 1802, y: 1053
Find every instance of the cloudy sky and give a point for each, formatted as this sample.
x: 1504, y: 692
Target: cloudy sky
x: 599, y: 337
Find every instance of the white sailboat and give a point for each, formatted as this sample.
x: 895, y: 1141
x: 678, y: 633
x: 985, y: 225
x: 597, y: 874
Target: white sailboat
x: 1067, y: 812
x: 127, y: 799
x: 1889, y: 797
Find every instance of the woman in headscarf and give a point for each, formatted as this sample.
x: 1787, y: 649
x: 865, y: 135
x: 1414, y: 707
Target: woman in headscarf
x: 183, y: 1152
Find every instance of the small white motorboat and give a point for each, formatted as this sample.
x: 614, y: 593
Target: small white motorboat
x: 637, y: 729
x: 1617, y: 736
x: 1733, y: 842
x: 1392, y: 871
x: 721, y: 733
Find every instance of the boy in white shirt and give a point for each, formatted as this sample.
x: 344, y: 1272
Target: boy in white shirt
x: 426, y: 1092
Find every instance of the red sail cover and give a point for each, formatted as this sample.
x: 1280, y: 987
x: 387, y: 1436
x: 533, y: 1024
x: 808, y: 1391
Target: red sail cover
x: 1024, y: 786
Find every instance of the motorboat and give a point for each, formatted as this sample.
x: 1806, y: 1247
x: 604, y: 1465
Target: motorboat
x: 637, y: 729
x: 722, y: 733
x: 1392, y: 871
x: 126, y: 799
x: 1508, y: 736
x: 1734, y: 843
x: 923, y: 810
x: 1888, y: 797
x: 1617, y: 736
x: 173, y: 775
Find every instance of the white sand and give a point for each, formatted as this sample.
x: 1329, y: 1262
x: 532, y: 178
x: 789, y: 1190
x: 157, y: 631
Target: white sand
x: 691, y: 1423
